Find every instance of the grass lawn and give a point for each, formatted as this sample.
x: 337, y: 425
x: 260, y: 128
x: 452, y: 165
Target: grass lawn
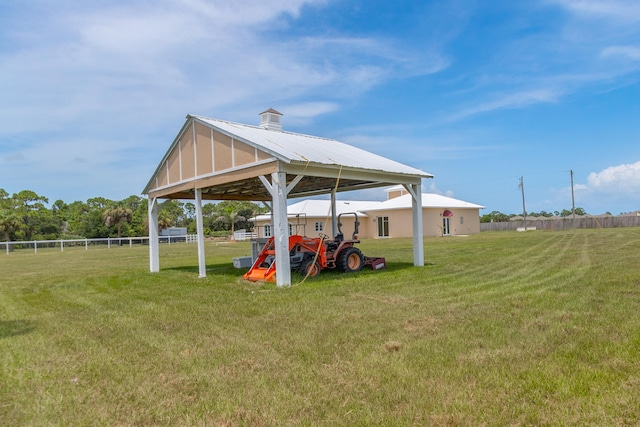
x: 504, y: 328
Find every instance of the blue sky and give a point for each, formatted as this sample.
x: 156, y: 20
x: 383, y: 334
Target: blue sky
x: 477, y: 93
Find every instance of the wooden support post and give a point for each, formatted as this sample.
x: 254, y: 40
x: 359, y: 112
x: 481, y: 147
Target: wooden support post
x: 416, y: 213
x: 281, y: 229
x: 334, y: 214
x: 154, y: 243
x: 279, y: 189
x: 202, y: 265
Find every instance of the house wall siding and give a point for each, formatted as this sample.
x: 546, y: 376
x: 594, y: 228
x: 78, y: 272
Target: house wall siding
x: 307, y: 226
x: 401, y: 225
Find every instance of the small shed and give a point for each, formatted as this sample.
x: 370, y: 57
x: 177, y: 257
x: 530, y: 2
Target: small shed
x: 212, y: 159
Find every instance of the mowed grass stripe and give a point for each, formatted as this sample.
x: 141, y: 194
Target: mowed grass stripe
x: 524, y: 268
x: 489, y: 267
x: 559, y: 265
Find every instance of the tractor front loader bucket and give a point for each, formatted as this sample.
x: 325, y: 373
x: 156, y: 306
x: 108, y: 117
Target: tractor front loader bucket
x: 261, y: 274
x: 264, y: 267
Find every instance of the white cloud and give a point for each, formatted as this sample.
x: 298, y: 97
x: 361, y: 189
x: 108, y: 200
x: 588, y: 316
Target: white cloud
x: 511, y: 101
x: 433, y: 188
x: 621, y: 179
x: 631, y: 52
x: 117, y: 76
x: 620, y: 10
x: 133, y: 63
x: 301, y: 114
x: 614, y: 189
x: 575, y: 54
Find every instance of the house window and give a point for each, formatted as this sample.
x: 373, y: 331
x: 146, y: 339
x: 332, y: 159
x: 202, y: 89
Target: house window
x: 383, y: 226
x: 461, y: 220
x: 319, y: 226
x: 268, y: 232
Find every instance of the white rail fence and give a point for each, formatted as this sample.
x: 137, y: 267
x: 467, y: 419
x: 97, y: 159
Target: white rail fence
x: 241, y: 235
x: 34, y: 245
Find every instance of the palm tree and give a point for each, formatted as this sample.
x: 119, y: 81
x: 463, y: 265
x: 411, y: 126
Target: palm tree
x: 163, y: 222
x: 117, y: 216
x: 230, y: 214
x: 10, y: 220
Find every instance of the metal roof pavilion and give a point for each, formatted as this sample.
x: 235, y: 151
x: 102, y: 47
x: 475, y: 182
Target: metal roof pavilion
x: 220, y: 160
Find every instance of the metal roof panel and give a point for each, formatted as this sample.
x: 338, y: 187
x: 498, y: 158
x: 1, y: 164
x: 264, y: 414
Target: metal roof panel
x: 295, y: 147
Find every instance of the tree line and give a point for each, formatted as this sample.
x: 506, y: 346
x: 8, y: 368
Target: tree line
x: 26, y: 216
x: 497, y: 216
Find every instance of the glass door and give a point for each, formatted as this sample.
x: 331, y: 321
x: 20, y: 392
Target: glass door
x: 383, y: 226
x: 446, y: 223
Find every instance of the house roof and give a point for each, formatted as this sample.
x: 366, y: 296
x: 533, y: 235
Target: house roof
x: 396, y: 188
x: 322, y: 208
x: 429, y: 200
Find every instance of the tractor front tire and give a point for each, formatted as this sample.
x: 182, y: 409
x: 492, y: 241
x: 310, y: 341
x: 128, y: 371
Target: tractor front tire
x: 310, y: 268
x: 350, y: 260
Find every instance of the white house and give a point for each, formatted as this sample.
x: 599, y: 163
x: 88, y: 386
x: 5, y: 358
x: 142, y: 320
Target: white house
x: 441, y: 216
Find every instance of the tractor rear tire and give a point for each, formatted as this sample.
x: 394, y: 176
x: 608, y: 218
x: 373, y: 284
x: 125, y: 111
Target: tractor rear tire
x: 350, y: 260
x: 310, y: 268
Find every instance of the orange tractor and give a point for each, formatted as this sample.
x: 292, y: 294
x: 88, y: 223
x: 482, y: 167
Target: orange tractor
x: 310, y: 255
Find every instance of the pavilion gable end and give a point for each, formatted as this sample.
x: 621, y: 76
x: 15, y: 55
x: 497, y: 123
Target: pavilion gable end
x: 202, y: 151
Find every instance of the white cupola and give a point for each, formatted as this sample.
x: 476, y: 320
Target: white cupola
x: 271, y: 120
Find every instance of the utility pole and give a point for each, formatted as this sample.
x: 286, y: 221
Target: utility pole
x: 524, y: 210
x: 573, y: 202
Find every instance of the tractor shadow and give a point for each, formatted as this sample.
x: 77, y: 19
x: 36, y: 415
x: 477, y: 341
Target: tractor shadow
x: 230, y: 270
x: 12, y: 328
x: 390, y: 268
x: 405, y: 265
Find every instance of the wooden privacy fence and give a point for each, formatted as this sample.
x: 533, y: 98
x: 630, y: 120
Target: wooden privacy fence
x: 564, y: 223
